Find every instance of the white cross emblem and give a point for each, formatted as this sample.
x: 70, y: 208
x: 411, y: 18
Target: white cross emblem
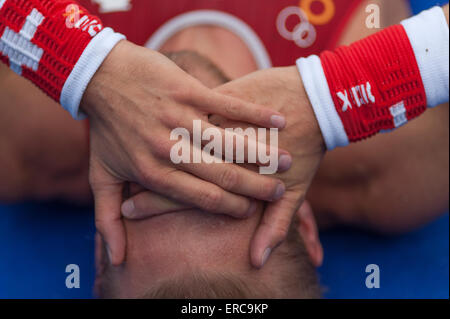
x: 18, y: 46
x: 107, y: 6
x: 398, y: 112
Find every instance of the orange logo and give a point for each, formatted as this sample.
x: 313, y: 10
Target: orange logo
x: 72, y: 15
x: 322, y: 18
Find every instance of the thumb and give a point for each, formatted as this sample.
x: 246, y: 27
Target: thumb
x: 147, y: 204
x: 108, y: 221
x: 273, y: 228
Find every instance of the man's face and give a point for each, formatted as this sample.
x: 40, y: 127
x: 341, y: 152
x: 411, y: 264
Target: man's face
x: 191, y: 242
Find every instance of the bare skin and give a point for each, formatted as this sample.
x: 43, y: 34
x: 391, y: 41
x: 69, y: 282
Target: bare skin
x: 134, y: 101
x: 221, y: 46
x: 43, y: 152
x: 371, y: 196
x: 189, y: 242
x: 392, y: 182
x: 355, y: 185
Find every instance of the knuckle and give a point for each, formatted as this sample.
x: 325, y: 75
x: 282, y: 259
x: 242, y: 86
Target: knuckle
x: 257, y: 113
x: 161, y: 148
x: 146, y: 174
x: 211, y: 200
x: 280, y: 233
x: 95, y: 185
x: 100, y: 225
x: 281, y: 229
x: 232, y: 107
x: 183, y: 94
x: 243, y: 210
x: 173, y: 120
x: 229, y: 178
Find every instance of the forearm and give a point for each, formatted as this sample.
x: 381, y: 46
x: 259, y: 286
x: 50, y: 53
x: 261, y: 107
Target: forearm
x: 355, y: 185
x: 43, y: 155
x: 381, y: 82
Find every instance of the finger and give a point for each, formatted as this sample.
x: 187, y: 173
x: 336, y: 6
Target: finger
x: 108, y: 200
x: 249, y: 147
x: 209, y: 197
x: 236, y: 109
x: 310, y: 233
x: 240, y: 147
x: 135, y: 189
x: 238, y: 180
x: 147, y: 204
x: 273, y: 228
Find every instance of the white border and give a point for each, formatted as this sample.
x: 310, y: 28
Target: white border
x: 215, y: 18
x: 429, y: 37
x: 87, y: 65
x: 316, y: 86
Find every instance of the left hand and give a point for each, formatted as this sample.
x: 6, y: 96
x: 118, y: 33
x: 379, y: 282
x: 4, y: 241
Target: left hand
x: 281, y: 89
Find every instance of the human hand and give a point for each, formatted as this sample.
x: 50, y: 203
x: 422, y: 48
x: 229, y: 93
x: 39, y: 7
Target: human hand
x: 281, y: 88
x: 133, y: 102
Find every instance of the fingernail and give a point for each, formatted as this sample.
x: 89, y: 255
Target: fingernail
x: 278, y: 121
x: 265, y: 256
x: 284, y: 162
x: 128, y: 208
x: 252, y: 209
x: 279, y: 192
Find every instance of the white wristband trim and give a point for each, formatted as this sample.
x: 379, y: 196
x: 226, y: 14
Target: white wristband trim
x: 429, y: 37
x: 318, y: 91
x: 88, y: 63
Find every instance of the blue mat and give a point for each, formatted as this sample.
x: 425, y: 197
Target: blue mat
x: 415, y: 265
x: 420, y: 5
x: 40, y: 240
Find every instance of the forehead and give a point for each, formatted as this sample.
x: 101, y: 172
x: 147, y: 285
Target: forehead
x: 188, y: 238
x: 189, y: 242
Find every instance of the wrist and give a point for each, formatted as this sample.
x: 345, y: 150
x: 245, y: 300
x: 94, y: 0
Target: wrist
x: 309, y: 117
x: 90, y: 62
x: 108, y: 72
x: 379, y: 83
x: 41, y: 43
x: 318, y: 92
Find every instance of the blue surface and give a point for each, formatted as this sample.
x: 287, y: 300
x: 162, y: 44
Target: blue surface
x: 415, y: 265
x: 40, y: 240
x: 420, y: 5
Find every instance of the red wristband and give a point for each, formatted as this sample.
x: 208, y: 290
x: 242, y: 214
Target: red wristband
x: 375, y: 83
x: 42, y: 40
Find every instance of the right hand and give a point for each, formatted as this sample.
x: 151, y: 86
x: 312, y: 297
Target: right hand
x: 133, y: 102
